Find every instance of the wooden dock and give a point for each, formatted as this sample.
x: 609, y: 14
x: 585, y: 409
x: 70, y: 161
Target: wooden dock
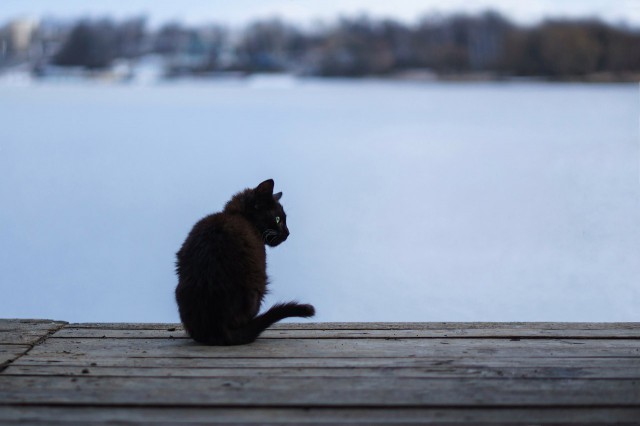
x: 326, y: 373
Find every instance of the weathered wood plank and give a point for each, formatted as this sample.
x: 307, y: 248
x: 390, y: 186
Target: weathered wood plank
x: 301, y: 333
x: 8, y: 353
x: 458, y: 325
x: 393, y: 326
x: 436, y: 371
x: 118, y: 333
x: 452, y: 332
x: 26, y: 337
x: 361, y: 348
x: 173, y: 415
x: 462, y: 362
x: 26, y: 332
x: 321, y: 391
x: 16, y: 324
x: 127, y: 325
x: 515, y: 373
x: 17, y: 337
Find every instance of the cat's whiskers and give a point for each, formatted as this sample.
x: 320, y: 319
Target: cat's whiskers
x: 269, y: 235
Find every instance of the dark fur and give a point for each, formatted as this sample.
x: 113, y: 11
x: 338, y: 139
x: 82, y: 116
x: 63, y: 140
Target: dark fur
x: 222, y: 274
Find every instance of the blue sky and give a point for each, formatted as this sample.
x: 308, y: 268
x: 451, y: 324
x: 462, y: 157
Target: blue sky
x: 305, y: 11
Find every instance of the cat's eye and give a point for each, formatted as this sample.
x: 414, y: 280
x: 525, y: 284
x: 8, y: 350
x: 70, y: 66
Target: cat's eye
x: 277, y: 219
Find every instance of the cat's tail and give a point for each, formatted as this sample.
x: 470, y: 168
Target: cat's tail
x: 251, y: 331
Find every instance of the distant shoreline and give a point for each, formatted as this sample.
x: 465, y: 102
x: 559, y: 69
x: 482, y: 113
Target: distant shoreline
x: 601, y: 77
x: 112, y: 76
x: 479, y: 47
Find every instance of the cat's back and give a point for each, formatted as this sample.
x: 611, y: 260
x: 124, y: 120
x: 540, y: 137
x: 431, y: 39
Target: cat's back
x: 221, y: 240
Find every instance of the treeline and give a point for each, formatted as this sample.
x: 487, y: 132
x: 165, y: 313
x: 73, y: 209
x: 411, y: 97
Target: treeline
x: 446, y: 46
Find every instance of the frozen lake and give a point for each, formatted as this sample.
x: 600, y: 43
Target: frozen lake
x: 406, y: 202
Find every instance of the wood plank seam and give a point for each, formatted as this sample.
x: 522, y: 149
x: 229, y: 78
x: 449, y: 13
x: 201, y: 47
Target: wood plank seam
x: 41, y: 340
x: 241, y: 377
x: 513, y: 338
x: 49, y: 334
x: 322, y: 406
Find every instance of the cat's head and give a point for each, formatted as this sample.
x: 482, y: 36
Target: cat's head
x: 268, y: 215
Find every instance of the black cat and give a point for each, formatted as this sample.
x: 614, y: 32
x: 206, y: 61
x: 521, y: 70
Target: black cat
x: 222, y: 274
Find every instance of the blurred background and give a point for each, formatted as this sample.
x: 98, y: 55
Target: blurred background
x: 466, y: 161
x: 569, y: 41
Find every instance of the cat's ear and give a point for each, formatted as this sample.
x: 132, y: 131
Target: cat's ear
x: 277, y: 196
x: 263, y: 192
x: 265, y: 188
